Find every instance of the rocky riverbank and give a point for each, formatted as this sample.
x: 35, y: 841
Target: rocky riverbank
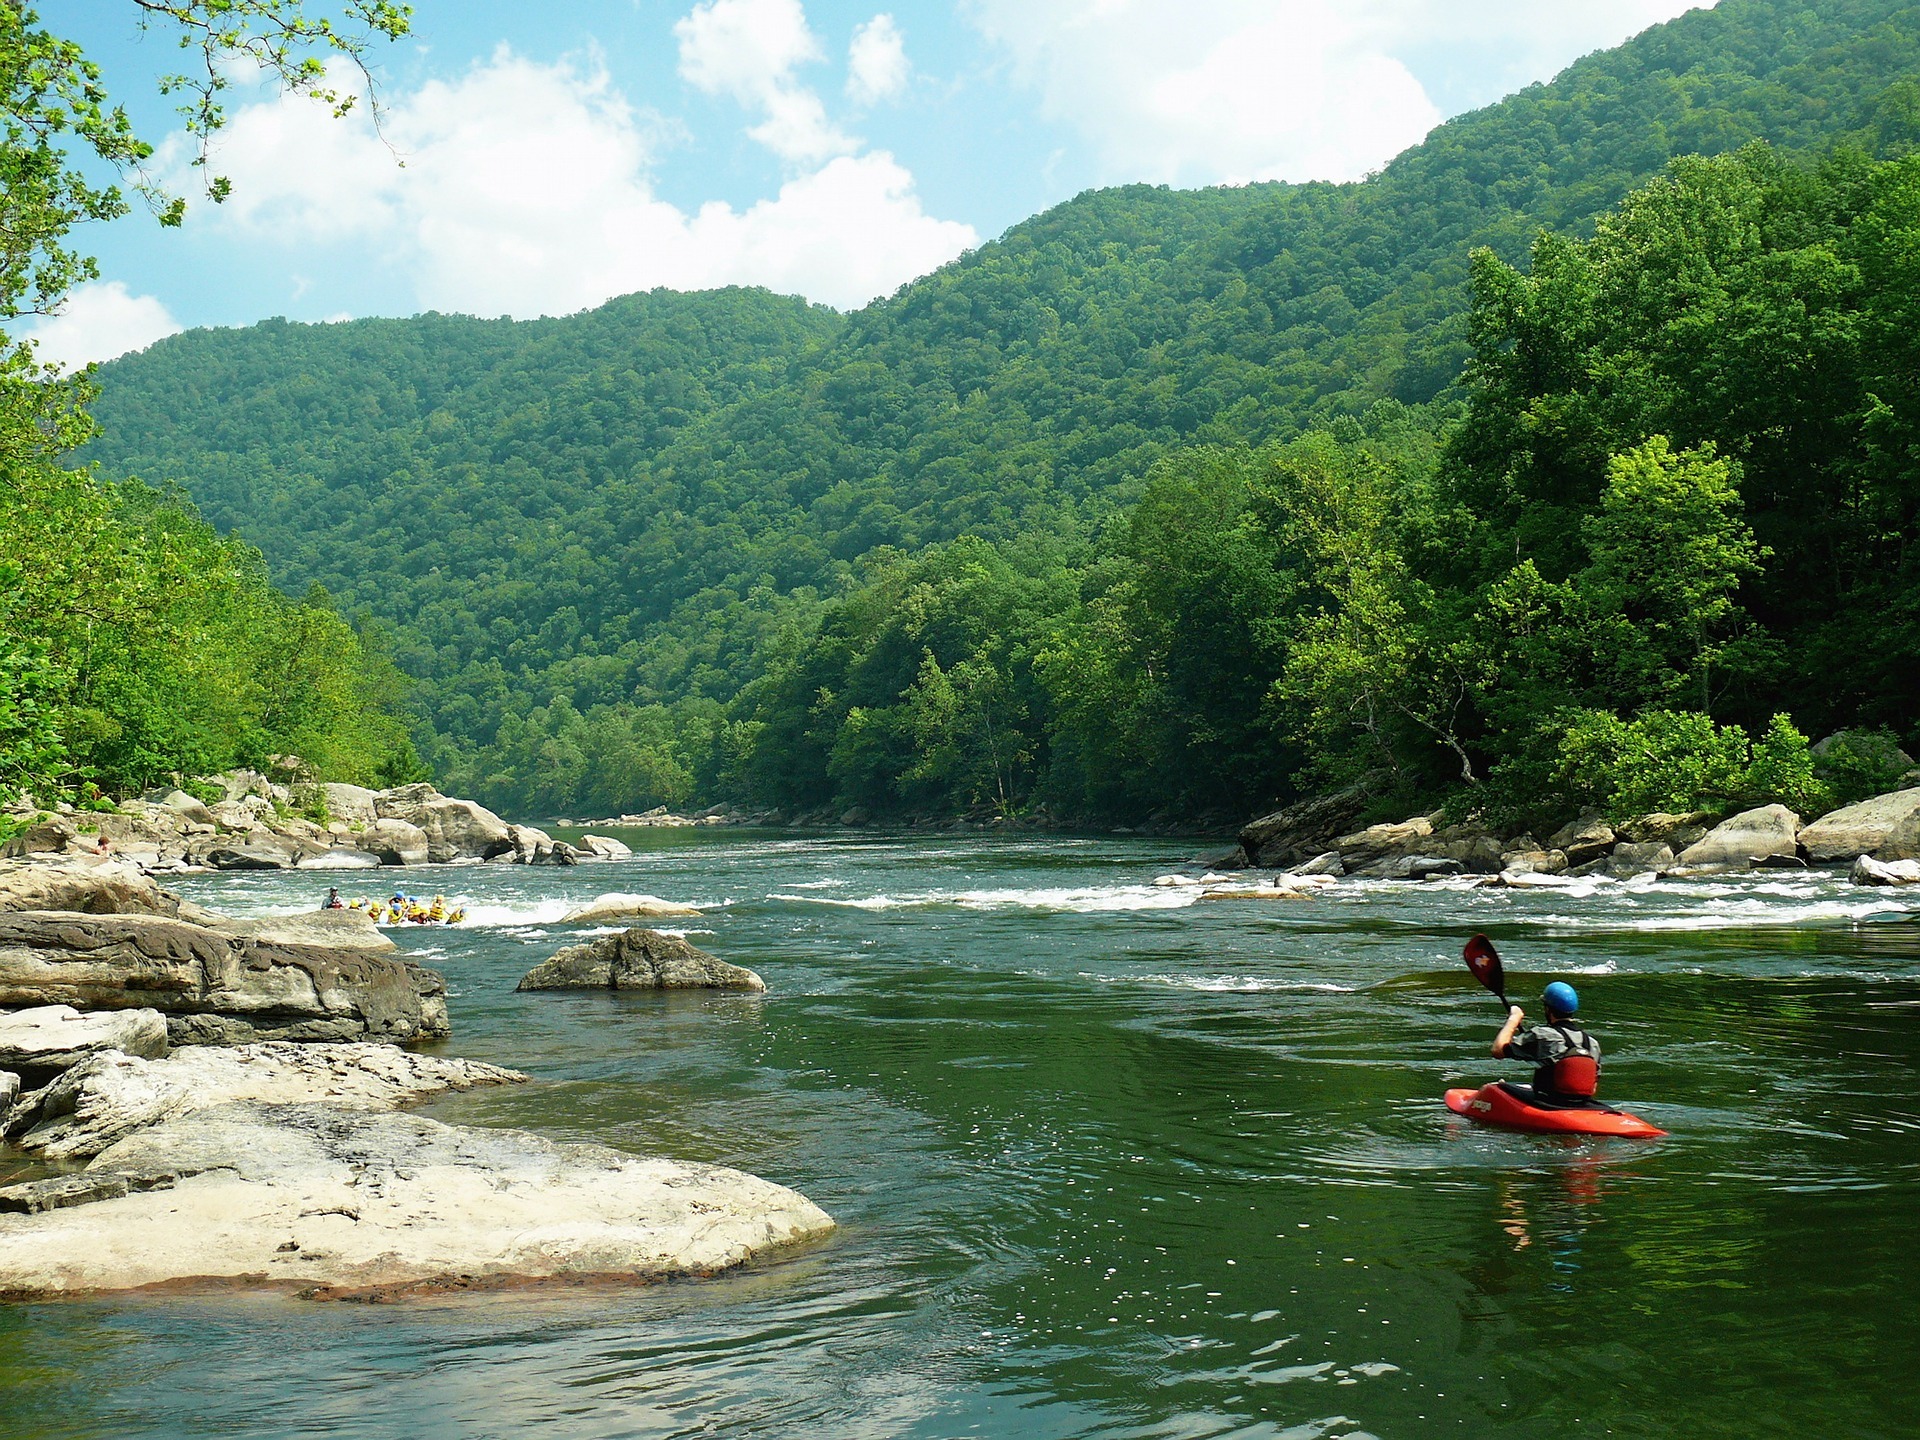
x: 1877, y: 839
x: 243, y: 820
x: 229, y: 1086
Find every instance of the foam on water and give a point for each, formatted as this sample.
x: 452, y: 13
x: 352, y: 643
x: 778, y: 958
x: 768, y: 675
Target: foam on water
x: 1087, y: 900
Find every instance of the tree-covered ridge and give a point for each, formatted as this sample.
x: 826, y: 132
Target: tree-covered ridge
x: 137, y: 643
x: 566, y: 554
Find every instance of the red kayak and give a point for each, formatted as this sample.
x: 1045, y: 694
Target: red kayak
x: 1496, y: 1105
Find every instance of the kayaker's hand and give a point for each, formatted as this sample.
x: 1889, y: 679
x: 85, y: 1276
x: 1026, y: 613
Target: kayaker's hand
x: 1514, y: 1012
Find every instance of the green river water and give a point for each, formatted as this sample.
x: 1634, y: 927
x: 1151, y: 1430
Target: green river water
x: 1109, y: 1162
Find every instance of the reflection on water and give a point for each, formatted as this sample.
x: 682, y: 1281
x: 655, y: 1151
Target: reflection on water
x: 1109, y: 1162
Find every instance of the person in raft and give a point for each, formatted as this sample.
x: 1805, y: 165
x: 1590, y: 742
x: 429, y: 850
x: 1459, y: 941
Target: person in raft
x: 334, y: 902
x: 1566, y: 1059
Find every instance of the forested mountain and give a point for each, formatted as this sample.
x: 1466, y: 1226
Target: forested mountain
x: 571, y: 524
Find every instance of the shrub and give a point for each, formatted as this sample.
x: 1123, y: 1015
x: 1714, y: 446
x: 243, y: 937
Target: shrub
x: 1856, y: 764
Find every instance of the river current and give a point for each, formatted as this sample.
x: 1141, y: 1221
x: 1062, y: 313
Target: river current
x: 1110, y: 1161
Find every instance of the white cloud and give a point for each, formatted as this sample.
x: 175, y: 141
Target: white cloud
x: 526, y: 190
x: 749, y: 50
x: 1212, y: 90
x: 98, y: 322
x: 877, y: 66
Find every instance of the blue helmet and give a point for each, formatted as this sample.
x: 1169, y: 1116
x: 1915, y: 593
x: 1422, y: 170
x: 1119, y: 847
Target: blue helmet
x: 1562, y: 999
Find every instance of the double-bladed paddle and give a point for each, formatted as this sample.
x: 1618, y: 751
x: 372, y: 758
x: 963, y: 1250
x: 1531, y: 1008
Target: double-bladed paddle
x: 1484, y: 961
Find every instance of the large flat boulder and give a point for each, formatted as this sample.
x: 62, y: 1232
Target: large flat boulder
x: 1740, y: 840
x: 332, y: 1202
x: 626, y: 907
x: 1869, y: 871
x: 638, y: 959
x: 213, y: 987
x: 347, y: 929
x: 43, y: 1040
x: 1381, y: 842
x: 1886, y: 827
x: 104, y: 887
x: 105, y: 1097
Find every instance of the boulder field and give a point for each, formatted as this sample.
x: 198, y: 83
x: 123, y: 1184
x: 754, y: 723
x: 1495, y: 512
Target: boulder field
x: 180, y: 1055
x: 1314, y: 838
x: 261, y: 824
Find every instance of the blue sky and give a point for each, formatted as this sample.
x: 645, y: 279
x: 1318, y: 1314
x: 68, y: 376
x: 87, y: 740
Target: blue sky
x: 559, y: 153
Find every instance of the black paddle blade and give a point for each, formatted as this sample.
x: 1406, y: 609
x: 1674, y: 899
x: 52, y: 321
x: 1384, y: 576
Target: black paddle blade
x: 1484, y: 961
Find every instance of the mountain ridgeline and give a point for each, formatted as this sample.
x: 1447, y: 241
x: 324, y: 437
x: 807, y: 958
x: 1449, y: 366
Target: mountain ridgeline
x: 1174, y: 502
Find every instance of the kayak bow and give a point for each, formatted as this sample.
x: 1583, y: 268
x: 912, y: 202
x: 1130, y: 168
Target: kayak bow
x: 1495, y: 1105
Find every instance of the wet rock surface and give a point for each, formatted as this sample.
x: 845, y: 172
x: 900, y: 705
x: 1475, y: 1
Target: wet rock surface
x: 638, y: 959
x: 338, y: 1203
x: 215, y: 988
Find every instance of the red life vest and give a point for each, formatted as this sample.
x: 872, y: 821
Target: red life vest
x: 1576, y: 1076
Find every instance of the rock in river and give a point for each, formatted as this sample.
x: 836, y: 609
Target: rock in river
x: 106, y: 887
x: 625, y: 907
x: 1743, y: 839
x: 339, y: 1203
x: 1869, y: 871
x: 1886, y: 827
x: 105, y: 1097
x: 216, y: 988
x: 638, y: 959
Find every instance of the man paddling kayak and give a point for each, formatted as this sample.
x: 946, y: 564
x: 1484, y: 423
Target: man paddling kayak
x: 1565, y: 1057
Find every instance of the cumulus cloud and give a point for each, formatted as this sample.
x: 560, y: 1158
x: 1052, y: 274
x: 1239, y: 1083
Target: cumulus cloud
x: 526, y: 190
x: 877, y: 66
x: 749, y: 50
x: 98, y: 322
x: 1214, y: 90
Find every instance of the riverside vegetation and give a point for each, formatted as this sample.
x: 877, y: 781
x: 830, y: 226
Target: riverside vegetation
x: 1557, y: 466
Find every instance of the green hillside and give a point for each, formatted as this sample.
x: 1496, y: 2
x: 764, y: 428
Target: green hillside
x: 569, y: 521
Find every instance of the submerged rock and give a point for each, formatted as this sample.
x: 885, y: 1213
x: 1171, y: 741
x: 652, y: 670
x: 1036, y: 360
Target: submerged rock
x: 1886, y: 827
x: 337, y: 1203
x: 216, y: 988
x: 638, y: 959
x: 1741, y: 840
x: 105, y: 1097
x: 621, y: 907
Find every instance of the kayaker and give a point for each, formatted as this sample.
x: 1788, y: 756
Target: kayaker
x: 1565, y: 1057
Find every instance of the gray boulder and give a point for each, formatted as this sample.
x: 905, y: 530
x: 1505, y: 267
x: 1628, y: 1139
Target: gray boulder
x: 1740, y: 840
x: 1302, y: 830
x: 1327, y: 862
x: 394, y: 842
x: 1534, y: 862
x: 455, y: 829
x: 1377, y: 842
x: 44, y: 1040
x: 1886, y: 827
x: 638, y: 959
x: 1869, y: 871
x: 604, y: 847
x: 352, y: 804
x: 330, y: 1202
x: 216, y: 988
x: 261, y: 850
x: 626, y: 907
x: 9, y: 1091
x: 1585, y: 840
x: 1667, y: 827
x: 105, y: 1097
x: 188, y: 807
x: 533, y: 846
x: 1649, y: 858
x: 103, y: 888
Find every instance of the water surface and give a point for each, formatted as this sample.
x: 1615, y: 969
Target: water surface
x: 1111, y: 1162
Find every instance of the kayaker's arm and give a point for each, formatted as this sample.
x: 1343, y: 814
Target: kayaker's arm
x: 1514, y: 1016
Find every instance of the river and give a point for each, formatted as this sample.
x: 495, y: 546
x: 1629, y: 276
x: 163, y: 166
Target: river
x: 1109, y: 1162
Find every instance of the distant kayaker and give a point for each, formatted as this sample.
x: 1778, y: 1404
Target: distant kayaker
x: 1565, y: 1057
